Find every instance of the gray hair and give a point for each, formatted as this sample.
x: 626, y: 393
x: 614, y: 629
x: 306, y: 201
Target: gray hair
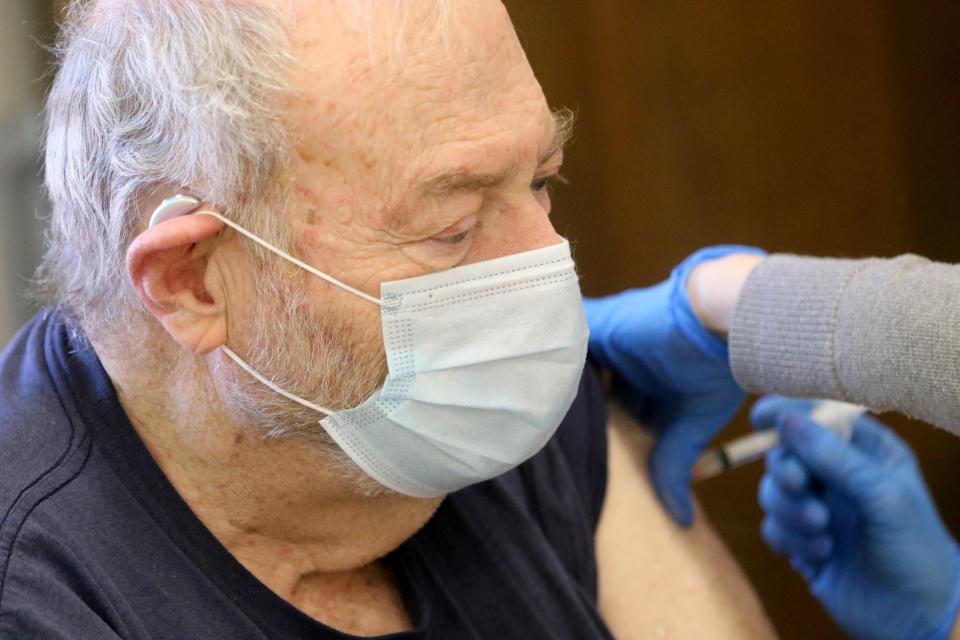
x: 151, y: 95
x: 171, y: 94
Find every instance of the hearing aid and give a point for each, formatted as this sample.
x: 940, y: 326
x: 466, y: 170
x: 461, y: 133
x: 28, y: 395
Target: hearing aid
x: 173, y: 207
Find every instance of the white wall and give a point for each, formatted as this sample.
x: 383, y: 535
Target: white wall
x: 20, y: 201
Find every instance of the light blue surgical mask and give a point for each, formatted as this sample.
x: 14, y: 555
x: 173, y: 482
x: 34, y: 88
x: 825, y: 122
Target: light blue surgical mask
x: 484, y: 361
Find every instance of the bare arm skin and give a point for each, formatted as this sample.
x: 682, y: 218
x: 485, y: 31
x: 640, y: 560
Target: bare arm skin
x: 656, y: 579
x: 714, y: 287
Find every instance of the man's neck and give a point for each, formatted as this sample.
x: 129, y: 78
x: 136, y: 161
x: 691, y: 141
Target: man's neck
x: 276, y: 505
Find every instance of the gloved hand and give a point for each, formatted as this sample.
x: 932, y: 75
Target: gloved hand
x: 859, y: 525
x: 670, y: 371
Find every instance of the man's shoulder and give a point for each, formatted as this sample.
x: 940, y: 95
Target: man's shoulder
x: 49, y: 587
x: 43, y: 447
x: 37, y: 431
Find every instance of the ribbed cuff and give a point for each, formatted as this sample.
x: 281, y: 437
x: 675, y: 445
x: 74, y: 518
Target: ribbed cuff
x: 782, y: 335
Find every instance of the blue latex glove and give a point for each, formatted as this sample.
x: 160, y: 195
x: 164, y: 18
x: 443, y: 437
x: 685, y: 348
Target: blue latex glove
x: 671, y: 371
x: 858, y: 522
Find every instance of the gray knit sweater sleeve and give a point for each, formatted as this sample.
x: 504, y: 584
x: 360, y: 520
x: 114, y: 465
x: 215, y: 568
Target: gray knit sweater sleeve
x: 883, y: 333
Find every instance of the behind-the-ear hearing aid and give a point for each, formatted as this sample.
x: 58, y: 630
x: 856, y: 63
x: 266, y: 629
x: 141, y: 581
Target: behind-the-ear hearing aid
x: 173, y: 207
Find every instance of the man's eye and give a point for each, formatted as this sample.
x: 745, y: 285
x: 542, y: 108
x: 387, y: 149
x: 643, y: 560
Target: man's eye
x: 455, y: 239
x: 544, y: 183
x: 459, y: 232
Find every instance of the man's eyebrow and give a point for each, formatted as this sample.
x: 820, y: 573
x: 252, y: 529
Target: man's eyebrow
x: 563, y: 120
x: 465, y: 181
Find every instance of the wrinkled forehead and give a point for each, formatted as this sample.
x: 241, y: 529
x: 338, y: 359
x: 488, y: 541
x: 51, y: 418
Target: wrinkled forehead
x: 404, y: 78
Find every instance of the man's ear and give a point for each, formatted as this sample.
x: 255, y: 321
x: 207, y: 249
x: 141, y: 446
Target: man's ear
x: 168, y: 265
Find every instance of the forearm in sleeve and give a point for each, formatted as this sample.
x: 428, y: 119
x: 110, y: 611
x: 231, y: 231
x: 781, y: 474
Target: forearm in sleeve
x: 883, y: 333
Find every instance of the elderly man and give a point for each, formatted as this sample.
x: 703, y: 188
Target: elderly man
x: 313, y: 344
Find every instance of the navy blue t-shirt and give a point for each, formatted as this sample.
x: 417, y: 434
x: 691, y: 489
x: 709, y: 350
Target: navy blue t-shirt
x: 96, y: 543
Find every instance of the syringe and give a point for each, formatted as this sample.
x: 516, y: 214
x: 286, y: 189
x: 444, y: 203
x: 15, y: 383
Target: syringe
x: 836, y: 416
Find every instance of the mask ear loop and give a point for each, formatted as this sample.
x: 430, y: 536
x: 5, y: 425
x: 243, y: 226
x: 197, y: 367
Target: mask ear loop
x: 271, y: 385
x: 181, y: 204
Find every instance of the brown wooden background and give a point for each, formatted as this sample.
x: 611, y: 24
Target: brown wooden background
x: 827, y: 128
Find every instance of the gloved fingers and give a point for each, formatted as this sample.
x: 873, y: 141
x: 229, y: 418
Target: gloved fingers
x: 671, y: 466
x: 870, y: 435
x: 787, y: 471
x: 602, y: 320
x: 766, y: 410
x: 597, y: 309
x: 813, y: 549
x: 805, y: 514
x: 623, y: 311
x: 879, y: 441
x: 828, y: 457
x: 804, y: 568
